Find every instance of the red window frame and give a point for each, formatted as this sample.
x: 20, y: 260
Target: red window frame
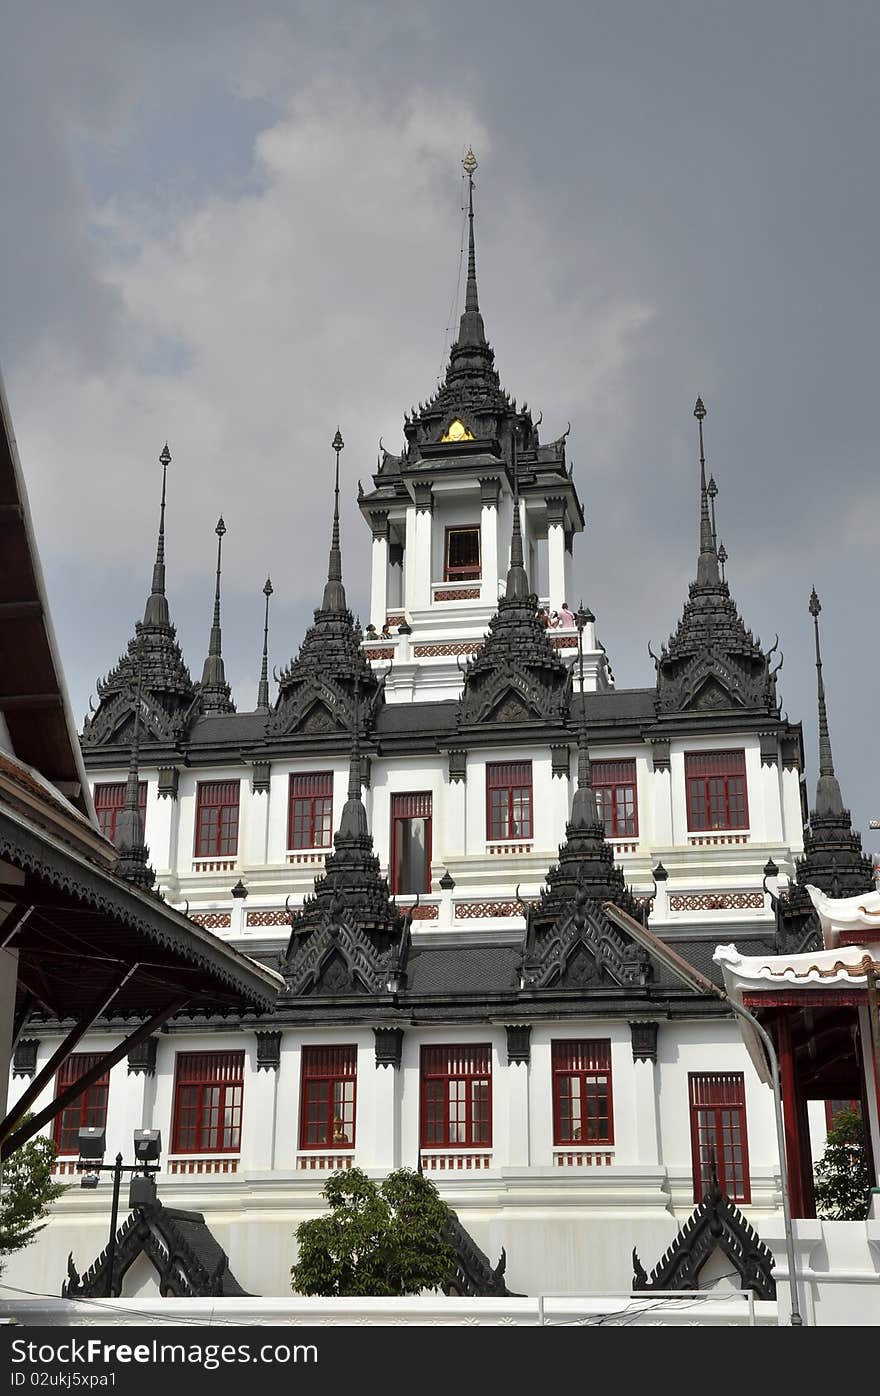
x: 109, y: 797
x: 208, y: 1103
x: 310, y: 810
x: 328, y: 1097
x: 717, y: 795
x: 416, y: 804
x: 88, y: 1111
x: 217, y: 803
x: 456, y: 1096
x: 617, y: 795
x: 583, y: 1105
x: 459, y: 572
x: 509, y: 800
x: 718, y: 1125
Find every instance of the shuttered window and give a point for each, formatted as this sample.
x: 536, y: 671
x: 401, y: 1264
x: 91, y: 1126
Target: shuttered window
x: 411, y: 833
x: 718, y: 1133
x: 716, y: 790
x: 110, y: 799
x: 208, y: 1095
x: 88, y: 1111
x: 217, y: 819
x: 509, y: 800
x: 457, y: 1095
x: 582, y: 1103
x: 310, y: 818
x: 462, y: 554
x: 327, y: 1097
x: 615, y: 785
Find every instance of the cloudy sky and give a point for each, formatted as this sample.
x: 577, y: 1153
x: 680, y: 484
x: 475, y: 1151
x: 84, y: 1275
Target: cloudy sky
x: 235, y: 226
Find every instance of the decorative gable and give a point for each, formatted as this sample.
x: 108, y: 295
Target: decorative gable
x: 716, y: 1224
x: 583, y: 950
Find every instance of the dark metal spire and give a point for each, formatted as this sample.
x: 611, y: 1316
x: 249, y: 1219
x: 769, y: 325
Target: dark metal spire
x: 828, y: 797
x: 353, y: 820
x: 707, y: 566
x: 471, y: 329
x: 263, y: 688
x: 722, y: 558
x: 584, y: 810
x: 712, y: 491
x: 133, y: 852
x: 334, y: 591
x: 517, y: 580
x: 156, y: 612
x: 214, y: 688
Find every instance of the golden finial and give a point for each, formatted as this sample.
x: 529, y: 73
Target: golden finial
x: 470, y: 163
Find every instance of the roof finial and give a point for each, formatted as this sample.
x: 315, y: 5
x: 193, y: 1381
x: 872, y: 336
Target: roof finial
x: 471, y: 331
x: 712, y: 491
x: 263, y: 688
x: 707, y: 566
x: 156, y: 612
x: 214, y: 688
x: 828, y: 797
x: 334, y: 591
x: 584, y: 810
x: 517, y: 580
x: 722, y: 558
x: 133, y: 852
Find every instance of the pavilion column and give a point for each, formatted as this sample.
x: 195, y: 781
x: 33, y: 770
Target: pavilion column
x: 379, y: 574
x: 261, y: 1102
x: 489, y: 490
x: 383, y: 1149
x: 518, y: 1060
x: 644, y: 1050
x: 556, y: 552
x: 790, y: 1115
x: 419, y: 548
x: 871, y: 1092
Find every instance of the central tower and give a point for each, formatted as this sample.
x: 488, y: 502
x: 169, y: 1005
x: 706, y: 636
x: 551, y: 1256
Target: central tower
x: 441, y: 515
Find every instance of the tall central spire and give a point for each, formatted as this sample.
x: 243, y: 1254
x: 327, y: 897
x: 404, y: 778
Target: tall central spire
x: 156, y: 611
x: 828, y: 797
x: 263, y: 686
x: 471, y: 330
x: 214, y: 688
x: 517, y: 580
x: 707, y: 566
x: 334, y: 591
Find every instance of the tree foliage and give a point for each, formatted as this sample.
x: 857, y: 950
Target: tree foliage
x: 842, y: 1181
x: 27, y: 1190
x: 379, y: 1239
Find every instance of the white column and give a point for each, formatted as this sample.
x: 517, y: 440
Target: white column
x: 661, y: 791
x: 518, y: 1114
x: 385, y: 1152
x: 556, y: 555
x: 421, y: 560
x: 489, y: 542
x: 127, y: 1111
x: 260, y: 1103
x: 379, y: 574
x: 257, y: 847
x: 454, y: 843
x: 644, y: 1099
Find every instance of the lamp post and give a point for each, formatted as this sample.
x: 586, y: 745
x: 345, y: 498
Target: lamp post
x: 142, y: 1191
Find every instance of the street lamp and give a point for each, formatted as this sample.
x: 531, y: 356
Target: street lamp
x: 142, y: 1189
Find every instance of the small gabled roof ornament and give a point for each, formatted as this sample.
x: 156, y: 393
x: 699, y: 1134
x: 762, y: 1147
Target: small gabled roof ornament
x: 214, y: 691
x: 263, y: 686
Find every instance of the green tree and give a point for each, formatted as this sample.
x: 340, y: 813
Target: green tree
x: 27, y: 1190
x: 385, y: 1239
x: 842, y: 1181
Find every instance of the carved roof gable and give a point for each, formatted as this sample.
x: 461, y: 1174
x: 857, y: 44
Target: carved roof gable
x: 517, y: 675
x: 188, y: 1260
x: 716, y: 1222
x: 582, y: 951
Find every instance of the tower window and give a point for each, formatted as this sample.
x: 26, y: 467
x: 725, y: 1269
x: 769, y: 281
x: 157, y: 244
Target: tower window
x: 582, y: 1092
x: 329, y: 1076
x: 615, y: 785
x: 411, y: 843
x: 718, y: 1133
x: 208, y: 1094
x: 88, y: 1111
x: 509, y: 800
x: 310, y: 820
x: 457, y: 1095
x: 217, y: 819
x: 716, y: 790
x: 462, y: 554
x: 110, y: 799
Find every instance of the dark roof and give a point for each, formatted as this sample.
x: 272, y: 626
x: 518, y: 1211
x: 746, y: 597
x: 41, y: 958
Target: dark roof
x: 463, y: 969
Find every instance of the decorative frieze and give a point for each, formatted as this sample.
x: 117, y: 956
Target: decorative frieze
x: 555, y: 511
x: 660, y: 754
x: 142, y: 1059
x: 214, y: 1164
x: 268, y: 1050
x: 716, y: 840
x: 564, y: 642
x: 718, y: 901
x: 378, y: 652
x: 329, y: 1163
x: 455, y: 1163
x: 212, y: 920
x: 423, y: 495
x: 519, y: 1043
x: 395, y: 618
x: 644, y: 1041
x: 379, y: 523
x: 457, y: 765
x: 169, y: 777
x: 489, y: 492
x: 582, y: 1158
x: 560, y: 760
x: 389, y: 1046
x: 440, y: 651
x: 457, y: 594
x: 262, y: 771
x: 791, y: 753
x: 24, y: 1062
x: 471, y: 911
x: 769, y: 748
x: 276, y: 917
